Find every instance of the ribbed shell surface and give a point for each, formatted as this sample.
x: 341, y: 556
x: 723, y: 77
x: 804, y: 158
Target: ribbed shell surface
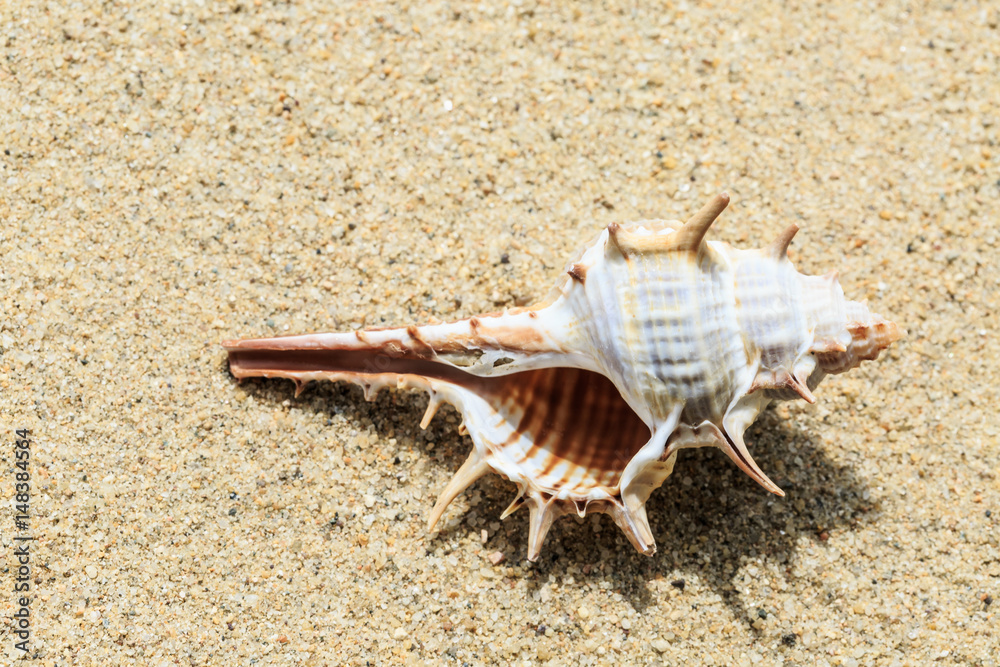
x: 665, y: 328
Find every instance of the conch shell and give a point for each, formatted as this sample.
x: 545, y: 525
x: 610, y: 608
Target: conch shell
x: 656, y: 341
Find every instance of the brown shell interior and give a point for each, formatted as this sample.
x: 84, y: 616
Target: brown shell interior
x: 568, y: 430
x: 579, y: 432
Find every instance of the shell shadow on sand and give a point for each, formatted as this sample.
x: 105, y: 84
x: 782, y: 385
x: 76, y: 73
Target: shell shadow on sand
x: 709, y: 519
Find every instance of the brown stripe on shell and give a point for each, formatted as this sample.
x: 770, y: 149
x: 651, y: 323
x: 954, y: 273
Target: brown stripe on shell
x: 525, y: 392
x: 546, y: 453
x: 587, y: 403
x: 551, y: 437
x: 551, y: 413
x: 590, y: 427
x: 603, y: 429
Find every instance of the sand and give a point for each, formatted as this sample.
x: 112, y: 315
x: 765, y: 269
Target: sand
x: 177, y: 173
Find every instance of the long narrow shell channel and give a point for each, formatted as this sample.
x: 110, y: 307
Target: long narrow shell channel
x: 656, y: 341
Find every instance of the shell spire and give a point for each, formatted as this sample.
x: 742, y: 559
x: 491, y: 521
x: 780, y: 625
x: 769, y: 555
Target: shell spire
x: 655, y: 340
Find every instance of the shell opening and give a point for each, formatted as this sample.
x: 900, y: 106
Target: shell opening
x: 564, y: 435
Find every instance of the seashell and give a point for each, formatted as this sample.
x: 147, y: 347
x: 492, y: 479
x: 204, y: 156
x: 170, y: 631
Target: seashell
x: 656, y: 341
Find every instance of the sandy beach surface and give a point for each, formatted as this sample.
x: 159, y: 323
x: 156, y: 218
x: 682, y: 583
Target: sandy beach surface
x: 173, y: 174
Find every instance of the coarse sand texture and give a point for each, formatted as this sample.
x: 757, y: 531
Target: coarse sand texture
x: 176, y: 174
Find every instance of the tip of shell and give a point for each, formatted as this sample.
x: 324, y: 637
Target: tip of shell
x: 893, y: 332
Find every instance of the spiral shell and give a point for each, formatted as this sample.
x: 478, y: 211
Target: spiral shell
x: 656, y: 341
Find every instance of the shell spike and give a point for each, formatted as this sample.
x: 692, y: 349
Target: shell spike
x: 690, y: 236
x: 474, y: 467
x: 615, y: 240
x: 782, y: 379
x: 632, y: 519
x: 796, y: 384
x: 515, y: 504
x: 542, y: 516
x: 736, y: 449
x: 300, y: 386
x: 433, y: 404
x: 737, y: 418
x: 779, y: 246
